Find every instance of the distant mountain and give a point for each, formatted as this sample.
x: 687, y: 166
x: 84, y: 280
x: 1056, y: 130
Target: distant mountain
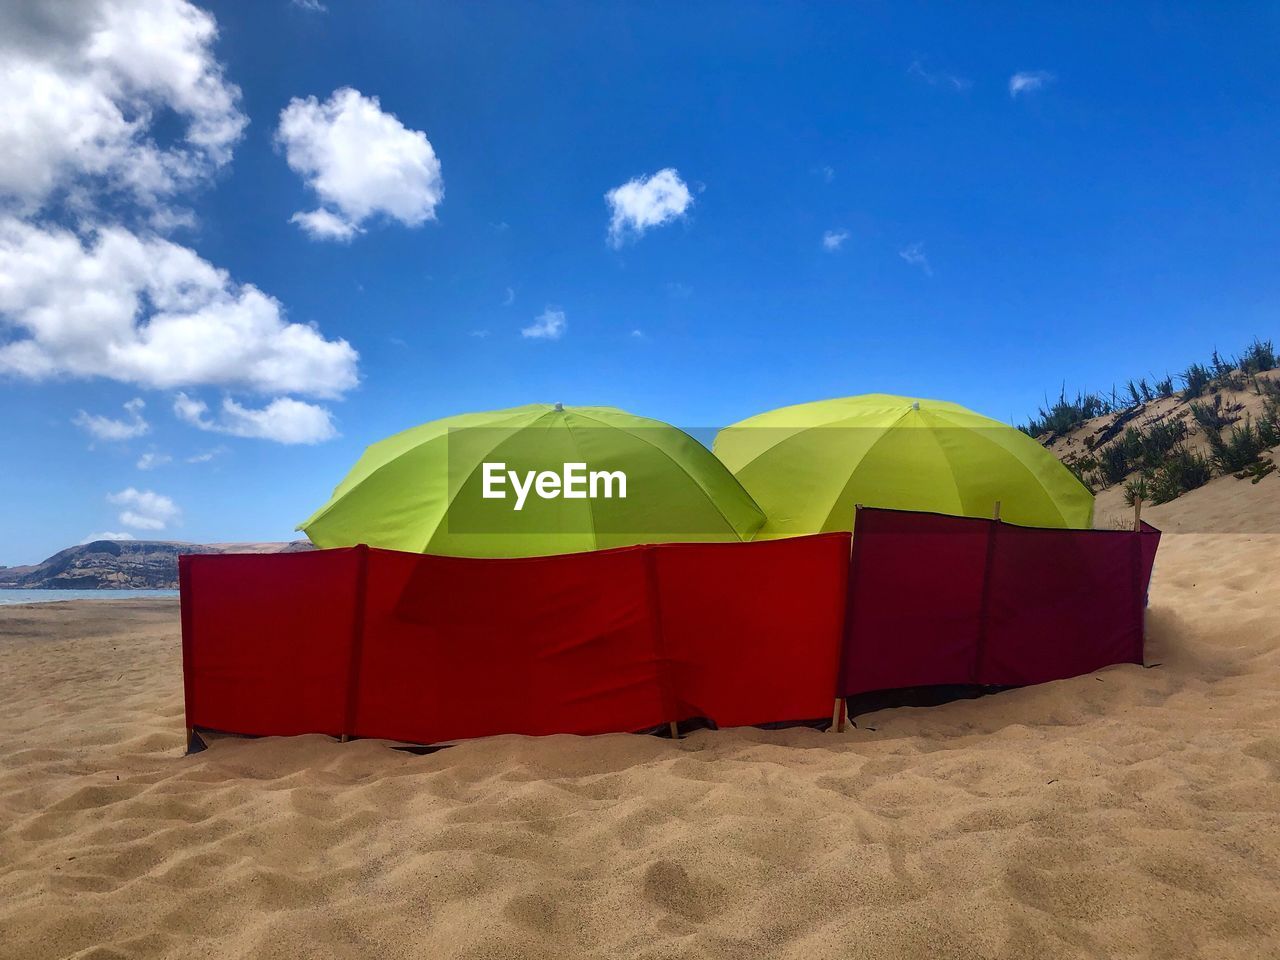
x: 124, y: 564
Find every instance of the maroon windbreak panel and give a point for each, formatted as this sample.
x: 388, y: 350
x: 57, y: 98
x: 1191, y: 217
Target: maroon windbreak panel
x: 1064, y: 602
x: 457, y: 648
x: 936, y: 599
x: 267, y: 639
x: 754, y: 629
x: 915, y: 601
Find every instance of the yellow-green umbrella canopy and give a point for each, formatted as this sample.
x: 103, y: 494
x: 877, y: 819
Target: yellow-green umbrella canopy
x: 808, y: 465
x: 423, y: 490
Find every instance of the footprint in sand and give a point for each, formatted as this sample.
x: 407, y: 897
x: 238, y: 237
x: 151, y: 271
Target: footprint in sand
x: 669, y: 886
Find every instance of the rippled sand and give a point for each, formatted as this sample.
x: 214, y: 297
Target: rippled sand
x: 1129, y: 813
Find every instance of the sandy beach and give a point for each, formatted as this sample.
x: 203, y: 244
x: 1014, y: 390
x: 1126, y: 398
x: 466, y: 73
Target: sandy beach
x: 1127, y: 813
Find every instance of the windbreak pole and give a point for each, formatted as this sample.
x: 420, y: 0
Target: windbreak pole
x: 357, y: 643
x: 185, y: 595
x: 984, y: 604
x: 841, y: 710
x: 666, y: 667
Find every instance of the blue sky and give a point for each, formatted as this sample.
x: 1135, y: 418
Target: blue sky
x: 1111, y: 213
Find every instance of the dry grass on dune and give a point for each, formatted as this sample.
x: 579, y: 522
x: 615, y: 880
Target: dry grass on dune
x: 1223, y: 505
x: 1129, y: 813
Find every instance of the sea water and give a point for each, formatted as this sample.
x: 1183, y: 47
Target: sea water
x: 46, y: 596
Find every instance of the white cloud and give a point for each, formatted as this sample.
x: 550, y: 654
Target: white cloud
x: 149, y: 461
x: 189, y: 409
x: 646, y: 202
x: 510, y: 297
x: 834, y: 239
x: 144, y: 509
x: 207, y: 455
x: 361, y: 162
x: 914, y: 254
x: 171, y: 220
x: 108, y: 535
x: 83, y: 84
x: 939, y: 78
x: 283, y: 420
x: 108, y: 428
x: 311, y: 6
x: 479, y: 334
x: 150, y: 312
x: 549, y: 325
x: 1028, y: 81
x: 637, y: 334
x: 828, y: 173
x: 115, y: 107
x: 323, y: 225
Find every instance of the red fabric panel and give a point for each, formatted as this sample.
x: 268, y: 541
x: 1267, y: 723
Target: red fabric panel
x: 267, y: 640
x: 915, y: 599
x: 459, y: 648
x: 754, y: 629
x: 1064, y: 602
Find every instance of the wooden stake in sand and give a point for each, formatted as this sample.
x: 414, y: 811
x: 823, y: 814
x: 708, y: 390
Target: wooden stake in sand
x: 1137, y: 515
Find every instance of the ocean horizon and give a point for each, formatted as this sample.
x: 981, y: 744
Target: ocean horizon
x: 12, y: 596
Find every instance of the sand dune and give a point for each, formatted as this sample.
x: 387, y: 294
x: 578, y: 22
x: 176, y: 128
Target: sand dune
x: 1223, y: 505
x: 1128, y: 813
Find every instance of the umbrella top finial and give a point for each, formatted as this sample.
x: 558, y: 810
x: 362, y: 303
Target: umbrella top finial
x: 559, y: 407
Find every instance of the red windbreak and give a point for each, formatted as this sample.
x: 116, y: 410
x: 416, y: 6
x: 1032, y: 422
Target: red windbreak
x: 425, y: 649
x: 267, y: 640
x: 753, y: 629
x: 458, y: 648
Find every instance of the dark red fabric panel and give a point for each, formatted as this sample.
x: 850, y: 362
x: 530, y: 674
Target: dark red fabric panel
x: 267, y: 640
x: 1063, y: 602
x: 753, y: 630
x: 945, y: 600
x: 459, y: 648
x: 915, y: 599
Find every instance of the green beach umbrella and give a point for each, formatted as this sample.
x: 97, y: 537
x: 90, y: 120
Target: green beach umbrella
x: 532, y: 481
x: 809, y: 465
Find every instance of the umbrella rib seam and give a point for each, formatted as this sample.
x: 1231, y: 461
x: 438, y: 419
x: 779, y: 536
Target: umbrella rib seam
x: 845, y: 486
x: 1039, y: 481
x: 696, y: 482
x: 591, y: 514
